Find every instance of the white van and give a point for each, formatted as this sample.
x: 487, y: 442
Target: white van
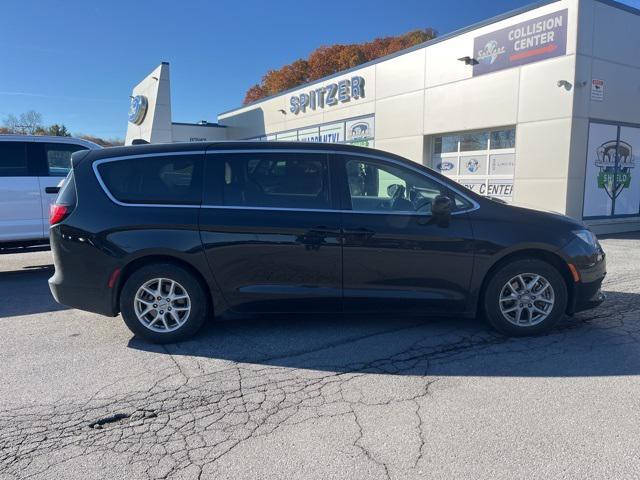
x: 31, y: 169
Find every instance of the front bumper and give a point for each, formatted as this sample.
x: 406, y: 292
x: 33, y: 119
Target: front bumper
x: 592, y: 269
x: 588, y: 296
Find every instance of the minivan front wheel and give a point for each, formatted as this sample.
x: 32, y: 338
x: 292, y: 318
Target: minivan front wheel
x: 525, y: 297
x: 163, y: 303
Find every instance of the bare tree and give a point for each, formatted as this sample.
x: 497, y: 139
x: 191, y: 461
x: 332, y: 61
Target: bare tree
x: 31, y: 121
x: 28, y: 123
x: 11, y: 123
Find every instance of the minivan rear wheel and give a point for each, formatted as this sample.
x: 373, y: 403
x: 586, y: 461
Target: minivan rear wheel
x: 163, y: 303
x: 525, y: 297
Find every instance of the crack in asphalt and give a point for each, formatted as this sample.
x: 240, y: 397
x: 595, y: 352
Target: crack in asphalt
x: 187, y: 421
x: 200, y: 410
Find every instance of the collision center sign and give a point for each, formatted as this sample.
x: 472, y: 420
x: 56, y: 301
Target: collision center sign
x: 526, y: 42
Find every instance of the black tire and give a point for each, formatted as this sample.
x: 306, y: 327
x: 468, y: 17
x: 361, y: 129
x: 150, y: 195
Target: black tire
x: 198, y: 302
x: 500, y: 278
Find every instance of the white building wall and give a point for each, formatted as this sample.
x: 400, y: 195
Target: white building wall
x: 184, y: 132
x: 427, y: 92
x: 156, y: 126
x: 609, y: 50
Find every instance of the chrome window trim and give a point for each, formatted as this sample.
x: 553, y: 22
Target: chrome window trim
x: 321, y: 210
x: 475, y: 205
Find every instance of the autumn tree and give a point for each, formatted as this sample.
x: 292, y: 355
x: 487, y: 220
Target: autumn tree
x: 105, y: 142
x: 327, y: 60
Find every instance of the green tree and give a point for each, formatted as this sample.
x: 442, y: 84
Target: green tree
x: 58, y: 130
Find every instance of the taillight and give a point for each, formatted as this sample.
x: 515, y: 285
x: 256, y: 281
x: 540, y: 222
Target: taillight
x: 57, y: 213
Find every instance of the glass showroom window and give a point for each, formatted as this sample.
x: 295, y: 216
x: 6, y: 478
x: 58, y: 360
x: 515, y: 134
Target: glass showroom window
x: 612, y: 186
x: 358, y: 131
x: 482, y: 161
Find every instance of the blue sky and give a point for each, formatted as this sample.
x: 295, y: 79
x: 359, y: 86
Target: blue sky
x: 76, y: 61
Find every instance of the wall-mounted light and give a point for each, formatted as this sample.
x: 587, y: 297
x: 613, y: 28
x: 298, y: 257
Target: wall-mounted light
x: 468, y: 60
x: 564, y: 83
x: 155, y: 78
x: 282, y: 111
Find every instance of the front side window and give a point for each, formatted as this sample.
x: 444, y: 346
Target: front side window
x: 277, y: 180
x: 378, y: 187
x: 59, y: 157
x: 170, y: 180
x: 13, y: 159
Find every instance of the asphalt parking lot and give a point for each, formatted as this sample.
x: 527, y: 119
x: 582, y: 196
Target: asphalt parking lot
x: 318, y: 398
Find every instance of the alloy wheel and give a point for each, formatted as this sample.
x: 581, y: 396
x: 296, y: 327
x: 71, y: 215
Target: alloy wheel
x: 162, y: 305
x: 527, y: 299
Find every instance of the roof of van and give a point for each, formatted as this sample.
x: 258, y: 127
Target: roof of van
x: 159, y: 148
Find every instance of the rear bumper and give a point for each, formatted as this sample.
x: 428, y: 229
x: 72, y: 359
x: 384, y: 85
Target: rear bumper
x: 81, y: 297
x: 81, y: 276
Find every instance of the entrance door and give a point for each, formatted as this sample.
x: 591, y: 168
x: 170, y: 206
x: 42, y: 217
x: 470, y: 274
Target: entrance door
x: 271, y: 238
x: 395, y: 256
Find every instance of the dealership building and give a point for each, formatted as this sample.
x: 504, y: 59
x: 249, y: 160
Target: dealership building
x: 539, y: 106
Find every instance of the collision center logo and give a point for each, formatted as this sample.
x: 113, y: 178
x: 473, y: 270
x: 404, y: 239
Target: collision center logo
x: 138, y: 109
x: 611, y: 177
x: 490, y: 53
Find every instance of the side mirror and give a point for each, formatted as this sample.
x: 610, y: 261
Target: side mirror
x: 441, y: 209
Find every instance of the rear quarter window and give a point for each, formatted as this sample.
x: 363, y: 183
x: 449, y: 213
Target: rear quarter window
x: 170, y: 180
x: 59, y: 157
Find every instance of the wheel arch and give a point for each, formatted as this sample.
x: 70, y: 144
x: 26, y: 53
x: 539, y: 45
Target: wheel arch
x: 140, y: 262
x: 547, y: 256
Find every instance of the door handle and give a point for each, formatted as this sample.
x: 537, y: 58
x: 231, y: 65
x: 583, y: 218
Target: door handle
x: 360, y: 232
x: 323, y: 230
x: 51, y: 190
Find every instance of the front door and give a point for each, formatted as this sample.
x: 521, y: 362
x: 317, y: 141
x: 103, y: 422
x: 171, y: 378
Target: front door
x: 270, y: 232
x: 395, y: 255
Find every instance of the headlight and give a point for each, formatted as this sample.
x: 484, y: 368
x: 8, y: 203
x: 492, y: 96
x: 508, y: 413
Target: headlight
x: 587, y: 237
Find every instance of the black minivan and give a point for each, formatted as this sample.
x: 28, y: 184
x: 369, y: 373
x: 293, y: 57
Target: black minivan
x: 169, y: 235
